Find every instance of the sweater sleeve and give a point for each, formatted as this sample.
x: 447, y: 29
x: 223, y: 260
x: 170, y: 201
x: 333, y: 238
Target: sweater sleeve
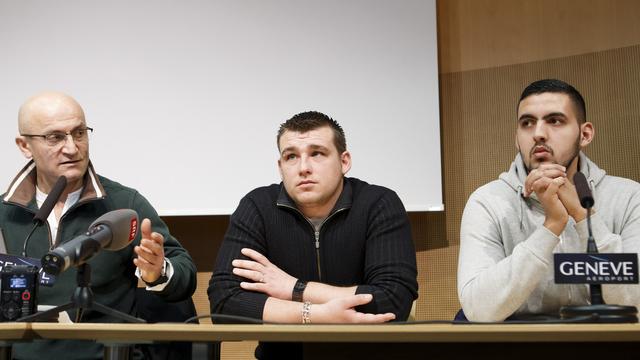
x: 626, y: 239
x: 492, y: 285
x: 246, y: 229
x: 183, y: 282
x: 390, y: 260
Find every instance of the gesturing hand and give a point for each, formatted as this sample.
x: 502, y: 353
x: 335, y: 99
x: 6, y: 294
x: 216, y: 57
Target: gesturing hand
x: 150, y: 253
x: 265, y: 277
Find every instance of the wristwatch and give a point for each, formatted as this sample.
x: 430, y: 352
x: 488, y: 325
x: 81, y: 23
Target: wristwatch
x: 162, y: 279
x: 298, y: 290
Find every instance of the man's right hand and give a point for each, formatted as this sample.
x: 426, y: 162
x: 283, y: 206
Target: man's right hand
x: 545, y: 182
x: 341, y: 311
x: 569, y: 197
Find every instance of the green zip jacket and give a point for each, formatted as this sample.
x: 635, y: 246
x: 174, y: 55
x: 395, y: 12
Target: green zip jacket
x: 113, y: 279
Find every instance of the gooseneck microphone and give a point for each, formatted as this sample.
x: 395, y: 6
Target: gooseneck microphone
x: 112, y: 231
x: 44, y: 211
x: 586, y: 200
x: 51, y: 200
x: 598, y: 311
x: 583, y: 190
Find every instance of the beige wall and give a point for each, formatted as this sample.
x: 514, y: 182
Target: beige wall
x: 479, y: 34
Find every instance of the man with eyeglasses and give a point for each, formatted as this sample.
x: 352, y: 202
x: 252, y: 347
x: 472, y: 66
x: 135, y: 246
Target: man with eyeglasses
x: 54, y: 136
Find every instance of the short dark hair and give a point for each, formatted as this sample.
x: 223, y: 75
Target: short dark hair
x: 557, y: 86
x: 311, y: 120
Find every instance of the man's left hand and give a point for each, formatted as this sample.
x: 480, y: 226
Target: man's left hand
x: 150, y: 253
x: 265, y: 277
x: 569, y: 198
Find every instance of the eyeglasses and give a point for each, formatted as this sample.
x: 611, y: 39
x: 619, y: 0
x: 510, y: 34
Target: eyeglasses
x: 58, y: 137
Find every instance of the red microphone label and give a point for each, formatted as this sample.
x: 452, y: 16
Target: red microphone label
x: 133, y: 229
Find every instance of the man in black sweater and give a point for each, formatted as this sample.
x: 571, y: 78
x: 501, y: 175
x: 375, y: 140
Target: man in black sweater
x: 318, y: 247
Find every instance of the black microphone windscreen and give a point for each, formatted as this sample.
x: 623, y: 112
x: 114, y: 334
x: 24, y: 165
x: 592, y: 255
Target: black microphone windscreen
x: 123, y: 224
x: 583, y: 190
x: 50, y: 201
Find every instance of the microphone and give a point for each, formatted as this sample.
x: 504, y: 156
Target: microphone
x: 111, y: 231
x: 51, y: 200
x: 583, y: 190
x: 595, y: 269
x: 44, y: 211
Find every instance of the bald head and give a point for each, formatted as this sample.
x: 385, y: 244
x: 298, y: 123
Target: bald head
x: 46, y: 107
x: 50, y: 113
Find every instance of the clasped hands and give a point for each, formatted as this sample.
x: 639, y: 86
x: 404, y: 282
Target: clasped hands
x: 557, y: 195
x: 265, y: 277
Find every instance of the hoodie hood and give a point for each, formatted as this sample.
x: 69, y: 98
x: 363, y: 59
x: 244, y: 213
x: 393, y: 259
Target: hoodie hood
x: 517, y: 175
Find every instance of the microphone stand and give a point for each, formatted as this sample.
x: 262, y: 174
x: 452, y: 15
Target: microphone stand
x: 598, y: 311
x: 81, y: 300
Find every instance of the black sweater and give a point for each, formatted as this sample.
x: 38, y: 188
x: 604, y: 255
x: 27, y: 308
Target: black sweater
x: 365, y: 241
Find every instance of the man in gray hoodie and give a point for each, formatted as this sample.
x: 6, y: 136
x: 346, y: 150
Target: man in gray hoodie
x: 511, y: 227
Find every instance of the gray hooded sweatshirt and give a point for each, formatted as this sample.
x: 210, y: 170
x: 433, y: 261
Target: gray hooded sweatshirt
x: 505, y: 265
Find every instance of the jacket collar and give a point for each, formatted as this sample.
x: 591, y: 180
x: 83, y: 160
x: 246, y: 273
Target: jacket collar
x: 22, y: 190
x: 517, y: 174
x: 344, y: 200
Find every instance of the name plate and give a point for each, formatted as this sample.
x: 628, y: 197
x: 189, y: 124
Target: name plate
x: 596, y: 268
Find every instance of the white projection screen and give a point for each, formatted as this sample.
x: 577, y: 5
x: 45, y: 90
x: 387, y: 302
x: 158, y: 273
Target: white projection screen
x: 186, y: 96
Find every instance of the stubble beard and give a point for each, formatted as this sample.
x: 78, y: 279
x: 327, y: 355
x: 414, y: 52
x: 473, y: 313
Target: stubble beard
x: 566, y: 164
